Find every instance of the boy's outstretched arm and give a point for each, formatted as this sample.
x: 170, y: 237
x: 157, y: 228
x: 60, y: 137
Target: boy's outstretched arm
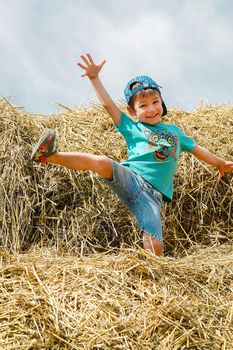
x: 210, y: 158
x: 92, y: 72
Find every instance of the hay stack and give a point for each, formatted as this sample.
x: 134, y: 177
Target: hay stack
x: 131, y: 300
x: 120, y: 298
x: 75, y: 211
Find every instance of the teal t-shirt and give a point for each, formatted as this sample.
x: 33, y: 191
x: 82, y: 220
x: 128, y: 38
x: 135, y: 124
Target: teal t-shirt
x: 154, y: 150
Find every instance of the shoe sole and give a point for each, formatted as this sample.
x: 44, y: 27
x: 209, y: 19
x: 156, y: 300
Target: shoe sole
x: 43, y: 140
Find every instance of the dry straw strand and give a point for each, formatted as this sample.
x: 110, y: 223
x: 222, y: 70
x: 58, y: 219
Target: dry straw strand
x: 68, y: 277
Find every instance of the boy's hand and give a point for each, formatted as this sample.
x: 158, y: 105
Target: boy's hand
x: 91, y: 69
x: 224, y: 168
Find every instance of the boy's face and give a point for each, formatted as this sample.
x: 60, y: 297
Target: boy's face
x: 148, y: 108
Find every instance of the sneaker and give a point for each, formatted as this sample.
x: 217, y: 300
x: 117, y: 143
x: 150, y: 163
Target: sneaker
x: 45, y: 147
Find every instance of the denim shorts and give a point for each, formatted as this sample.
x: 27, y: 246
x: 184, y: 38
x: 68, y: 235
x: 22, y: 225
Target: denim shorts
x: 142, y: 198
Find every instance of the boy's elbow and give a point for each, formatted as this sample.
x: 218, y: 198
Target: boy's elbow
x: 107, y: 106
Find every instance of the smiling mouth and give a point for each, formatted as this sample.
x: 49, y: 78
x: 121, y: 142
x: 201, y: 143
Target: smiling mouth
x: 160, y: 155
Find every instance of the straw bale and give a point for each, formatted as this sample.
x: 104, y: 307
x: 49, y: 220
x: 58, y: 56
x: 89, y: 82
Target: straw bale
x: 76, y: 212
x: 125, y: 299
x: 114, y: 298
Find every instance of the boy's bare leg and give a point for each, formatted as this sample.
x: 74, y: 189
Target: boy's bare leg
x: 152, y: 244
x: 83, y: 161
x: 103, y: 166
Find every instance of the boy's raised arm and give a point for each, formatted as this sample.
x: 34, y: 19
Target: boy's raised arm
x: 92, y: 72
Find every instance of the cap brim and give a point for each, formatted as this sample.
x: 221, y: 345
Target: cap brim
x: 164, y: 108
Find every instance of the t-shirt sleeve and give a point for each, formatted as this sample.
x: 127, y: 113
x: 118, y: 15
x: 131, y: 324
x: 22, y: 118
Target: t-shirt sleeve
x: 126, y: 125
x: 186, y: 142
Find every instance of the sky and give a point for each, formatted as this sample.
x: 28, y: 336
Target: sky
x: 186, y: 46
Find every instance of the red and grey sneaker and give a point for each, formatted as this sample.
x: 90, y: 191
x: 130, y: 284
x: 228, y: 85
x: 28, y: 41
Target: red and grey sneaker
x: 45, y: 147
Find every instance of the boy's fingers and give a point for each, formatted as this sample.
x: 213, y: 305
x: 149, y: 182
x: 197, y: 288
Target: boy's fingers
x: 81, y: 65
x: 84, y: 59
x: 102, y: 63
x: 90, y: 58
x: 221, y: 174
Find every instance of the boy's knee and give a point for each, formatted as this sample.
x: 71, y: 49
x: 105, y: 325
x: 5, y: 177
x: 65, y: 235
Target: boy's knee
x: 104, y: 167
x: 152, y: 244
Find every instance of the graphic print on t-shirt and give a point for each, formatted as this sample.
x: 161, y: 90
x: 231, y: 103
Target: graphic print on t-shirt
x: 162, y: 142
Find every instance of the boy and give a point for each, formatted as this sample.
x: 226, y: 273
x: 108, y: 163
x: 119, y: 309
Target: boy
x: 146, y: 179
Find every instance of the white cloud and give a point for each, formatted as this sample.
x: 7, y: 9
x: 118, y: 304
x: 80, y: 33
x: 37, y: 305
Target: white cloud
x: 185, y: 45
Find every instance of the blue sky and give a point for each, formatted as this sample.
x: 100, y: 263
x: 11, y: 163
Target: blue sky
x: 185, y: 45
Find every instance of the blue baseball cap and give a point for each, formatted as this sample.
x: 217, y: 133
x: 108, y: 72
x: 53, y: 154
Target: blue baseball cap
x: 145, y: 83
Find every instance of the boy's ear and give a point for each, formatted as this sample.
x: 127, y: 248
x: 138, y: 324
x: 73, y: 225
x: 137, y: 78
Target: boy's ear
x: 131, y: 110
